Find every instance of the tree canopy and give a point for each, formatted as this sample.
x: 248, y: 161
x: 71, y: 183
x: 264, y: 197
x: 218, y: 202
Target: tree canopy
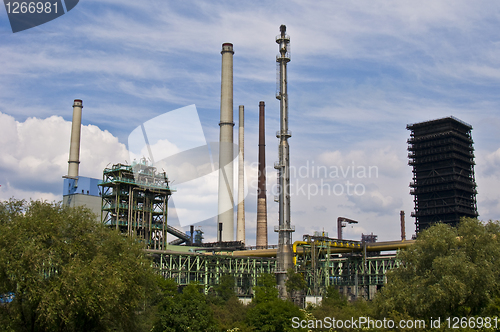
x: 268, y: 312
x: 188, y: 310
x: 67, y: 272
x: 224, y: 290
x: 447, y: 272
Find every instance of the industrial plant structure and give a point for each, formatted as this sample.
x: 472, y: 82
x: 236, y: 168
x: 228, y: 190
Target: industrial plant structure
x: 133, y: 199
x: 442, y: 156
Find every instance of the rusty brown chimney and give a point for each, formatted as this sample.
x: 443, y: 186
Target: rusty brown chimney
x: 261, y: 194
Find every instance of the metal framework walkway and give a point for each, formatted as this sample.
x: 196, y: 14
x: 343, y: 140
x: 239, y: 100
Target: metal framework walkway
x: 206, y: 270
x: 319, y: 271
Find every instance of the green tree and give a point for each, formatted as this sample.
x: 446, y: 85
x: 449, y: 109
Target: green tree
x: 268, y: 313
x: 229, y: 311
x: 67, y: 272
x: 274, y: 316
x: 266, y: 290
x: 295, y: 281
x: 186, y: 311
x: 336, y: 305
x: 224, y: 290
x: 231, y: 314
x: 447, y: 272
x: 333, y: 298
x: 295, y: 286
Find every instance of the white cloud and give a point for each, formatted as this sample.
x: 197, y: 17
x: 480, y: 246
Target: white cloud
x: 34, y: 155
x: 490, y: 165
x: 7, y: 191
x: 487, y: 171
x: 373, y: 200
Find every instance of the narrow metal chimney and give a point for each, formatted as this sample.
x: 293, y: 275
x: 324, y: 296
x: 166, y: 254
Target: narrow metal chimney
x: 285, y: 229
x: 74, y: 148
x: 261, y: 194
x: 240, y: 226
x: 403, y: 225
x: 226, y: 203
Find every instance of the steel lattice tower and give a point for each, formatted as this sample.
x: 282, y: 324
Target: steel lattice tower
x: 284, y: 229
x: 135, y: 201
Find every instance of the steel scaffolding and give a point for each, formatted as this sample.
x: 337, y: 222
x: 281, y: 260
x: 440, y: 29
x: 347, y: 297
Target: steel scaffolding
x: 444, y: 188
x: 322, y: 267
x: 350, y: 273
x: 206, y: 270
x: 134, y: 201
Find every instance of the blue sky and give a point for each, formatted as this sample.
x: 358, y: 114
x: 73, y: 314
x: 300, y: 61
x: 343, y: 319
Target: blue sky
x: 360, y: 72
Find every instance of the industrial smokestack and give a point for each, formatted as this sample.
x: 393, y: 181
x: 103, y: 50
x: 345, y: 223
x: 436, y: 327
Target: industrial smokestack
x: 403, y: 225
x: 74, y: 148
x: 226, y: 203
x: 240, y: 227
x: 261, y: 195
x: 285, y: 229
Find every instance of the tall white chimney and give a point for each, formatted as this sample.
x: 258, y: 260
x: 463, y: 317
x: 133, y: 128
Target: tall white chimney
x: 226, y: 203
x: 74, y: 148
x: 240, y: 226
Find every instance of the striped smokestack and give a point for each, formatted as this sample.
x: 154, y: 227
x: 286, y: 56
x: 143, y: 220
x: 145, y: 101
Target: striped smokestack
x: 226, y: 203
x: 74, y: 147
x: 261, y: 197
x: 240, y: 226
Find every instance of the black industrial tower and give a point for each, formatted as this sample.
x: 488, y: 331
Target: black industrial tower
x: 444, y: 189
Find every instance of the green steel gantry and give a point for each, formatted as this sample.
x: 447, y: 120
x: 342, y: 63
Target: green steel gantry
x: 134, y: 201
x: 207, y: 269
x: 352, y: 274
